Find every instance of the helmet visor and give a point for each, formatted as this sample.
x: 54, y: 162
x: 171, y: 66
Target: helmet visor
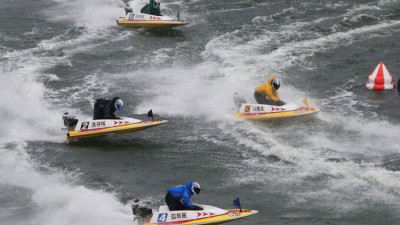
x: 119, y: 104
x: 196, y: 190
x: 276, y: 84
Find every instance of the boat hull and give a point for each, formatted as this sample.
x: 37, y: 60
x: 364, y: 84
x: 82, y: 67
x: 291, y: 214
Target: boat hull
x: 145, y: 23
x: 93, y: 128
x: 270, y: 112
x: 209, y: 215
x: 147, y: 20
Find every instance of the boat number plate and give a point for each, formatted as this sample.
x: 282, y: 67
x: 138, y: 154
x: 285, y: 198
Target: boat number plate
x: 85, y: 125
x: 162, y: 217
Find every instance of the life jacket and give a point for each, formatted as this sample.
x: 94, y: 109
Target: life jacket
x: 182, y: 193
x: 267, y: 90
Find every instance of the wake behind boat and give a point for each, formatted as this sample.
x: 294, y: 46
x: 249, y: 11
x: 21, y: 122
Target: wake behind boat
x: 272, y: 112
x: 147, y: 20
x: 209, y: 215
x: 92, y: 128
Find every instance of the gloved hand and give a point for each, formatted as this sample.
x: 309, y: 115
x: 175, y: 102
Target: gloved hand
x: 280, y: 103
x: 196, y: 207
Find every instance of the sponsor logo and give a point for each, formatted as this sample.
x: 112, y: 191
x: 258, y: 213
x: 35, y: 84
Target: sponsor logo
x: 178, y: 216
x: 139, y: 16
x: 258, y: 108
x: 98, y: 124
x: 234, y: 214
x: 247, y: 108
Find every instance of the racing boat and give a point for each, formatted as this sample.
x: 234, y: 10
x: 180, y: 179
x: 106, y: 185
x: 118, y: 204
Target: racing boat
x: 147, y: 20
x: 272, y: 112
x: 91, y: 128
x: 209, y: 215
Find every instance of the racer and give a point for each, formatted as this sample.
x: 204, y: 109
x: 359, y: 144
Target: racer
x: 178, y: 198
x: 105, y: 108
x: 152, y: 8
x: 268, y: 93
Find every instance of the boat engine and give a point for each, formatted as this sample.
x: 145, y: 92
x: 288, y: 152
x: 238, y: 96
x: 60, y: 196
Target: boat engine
x: 238, y: 100
x: 69, y: 121
x: 140, y: 210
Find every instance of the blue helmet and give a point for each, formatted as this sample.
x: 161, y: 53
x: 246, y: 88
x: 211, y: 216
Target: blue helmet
x: 195, y: 188
x: 156, y: 3
x: 119, y: 104
x: 276, y: 84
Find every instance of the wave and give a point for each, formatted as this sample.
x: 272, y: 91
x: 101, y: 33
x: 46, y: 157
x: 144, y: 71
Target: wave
x: 50, y: 198
x: 31, y: 112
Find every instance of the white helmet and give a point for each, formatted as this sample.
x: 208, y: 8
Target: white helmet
x: 276, y: 83
x: 156, y: 3
x: 195, y: 188
x: 119, y: 104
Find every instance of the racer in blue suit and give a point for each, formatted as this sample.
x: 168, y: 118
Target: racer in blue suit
x: 178, y: 198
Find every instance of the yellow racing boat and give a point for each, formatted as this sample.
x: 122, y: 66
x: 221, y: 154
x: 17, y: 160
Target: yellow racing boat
x: 272, y: 112
x: 92, y: 128
x: 147, y: 20
x: 209, y: 215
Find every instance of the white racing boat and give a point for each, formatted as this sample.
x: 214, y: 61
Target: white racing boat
x: 209, y: 215
x: 91, y: 128
x: 147, y: 20
x: 272, y: 112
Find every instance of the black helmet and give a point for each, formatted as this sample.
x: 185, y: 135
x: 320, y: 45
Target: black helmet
x: 276, y: 84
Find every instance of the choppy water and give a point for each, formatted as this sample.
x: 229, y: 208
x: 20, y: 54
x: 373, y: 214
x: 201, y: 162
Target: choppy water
x: 340, y: 167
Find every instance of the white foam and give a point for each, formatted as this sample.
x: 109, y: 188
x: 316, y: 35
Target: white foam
x: 304, y: 163
x: 32, y: 112
x: 189, y: 93
x: 233, y: 62
x: 387, y: 2
x: 319, y: 152
x: 58, y: 201
x: 88, y: 13
x: 25, y: 111
x: 28, y: 113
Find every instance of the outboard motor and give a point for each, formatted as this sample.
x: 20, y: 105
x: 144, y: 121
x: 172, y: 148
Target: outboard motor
x: 238, y: 100
x: 140, y: 210
x: 69, y: 121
